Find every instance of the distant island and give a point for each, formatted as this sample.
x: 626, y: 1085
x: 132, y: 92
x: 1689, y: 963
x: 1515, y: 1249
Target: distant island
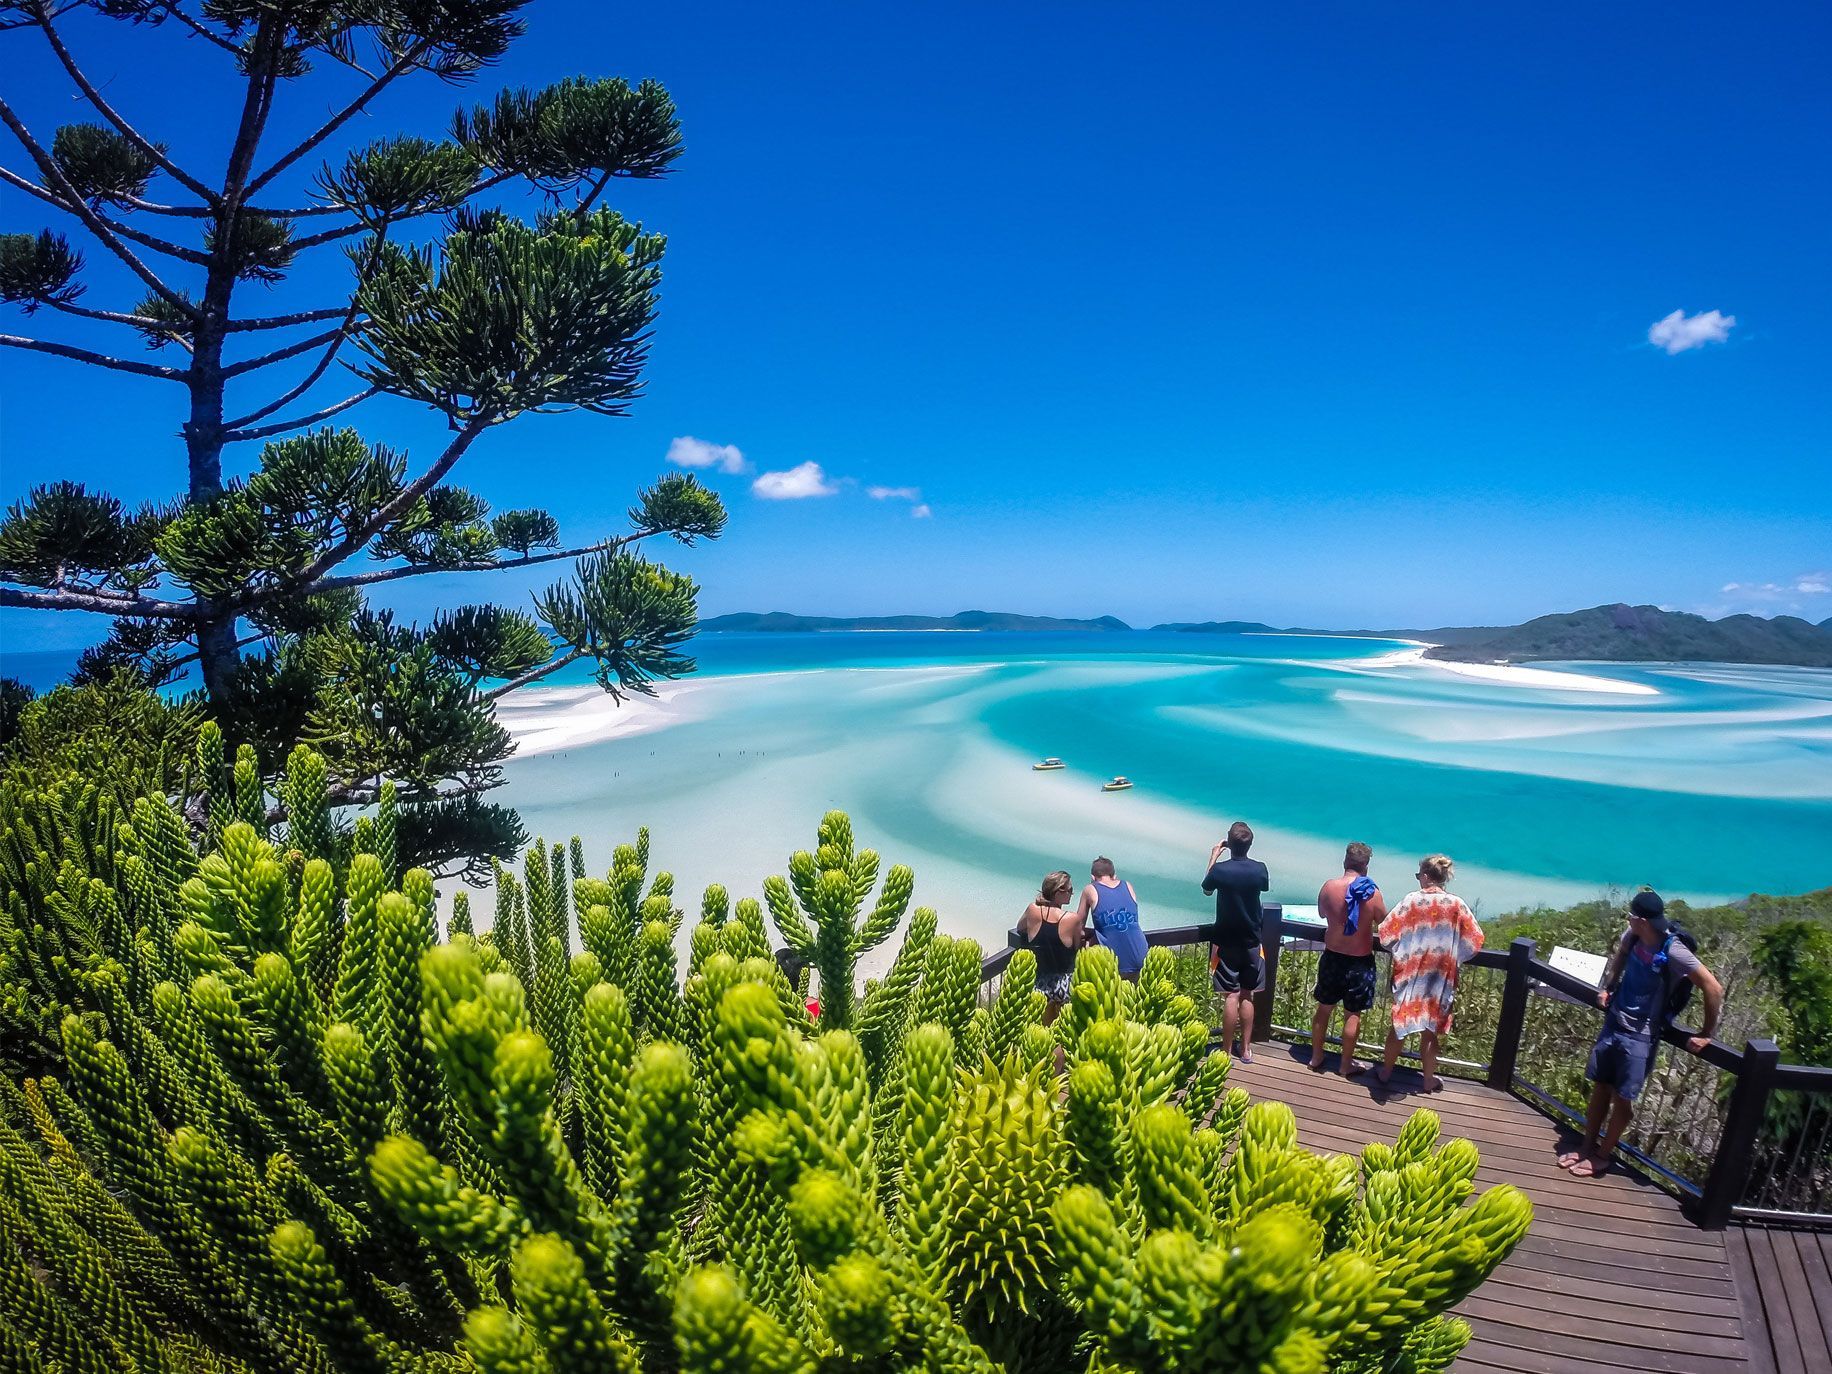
x: 965, y: 620
x: 1618, y: 633
x: 1643, y: 634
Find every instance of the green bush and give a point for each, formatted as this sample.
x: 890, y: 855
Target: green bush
x: 284, y: 1126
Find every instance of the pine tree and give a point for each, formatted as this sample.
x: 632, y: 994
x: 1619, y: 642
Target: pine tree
x: 250, y: 572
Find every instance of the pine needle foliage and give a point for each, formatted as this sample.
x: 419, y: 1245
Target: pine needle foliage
x: 289, y: 1127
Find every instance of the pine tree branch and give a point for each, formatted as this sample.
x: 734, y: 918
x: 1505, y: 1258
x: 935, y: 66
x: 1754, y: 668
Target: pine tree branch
x: 174, y: 250
x: 74, y: 204
x: 109, y: 603
x: 285, y: 321
x: 329, y: 236
x: 171, y: 8
x: 534, y: 674
x: 141, y: 322
x: 337, y: 121
x: 292, y: 350
x: 108, y: 112
x: 112, y: 316
x: 84, y: 355
x: 529, y: 560
x: 596, y: 191
x: 403, y: 502
x: 237, y: 436
x: 330, y: 353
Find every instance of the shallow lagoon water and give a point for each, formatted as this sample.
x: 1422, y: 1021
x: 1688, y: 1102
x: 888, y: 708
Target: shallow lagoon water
x: 1716, y: 784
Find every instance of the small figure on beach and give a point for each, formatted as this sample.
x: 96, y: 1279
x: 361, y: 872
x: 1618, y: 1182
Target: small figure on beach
x: 1648, y: 980
x: 1431, y: 935
x: 1052, y: 933
x: 1236, y: 961
x: 1352, y: 909
x: 1110, y: 908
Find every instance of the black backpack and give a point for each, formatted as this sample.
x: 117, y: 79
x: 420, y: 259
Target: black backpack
x: 1679, y: 987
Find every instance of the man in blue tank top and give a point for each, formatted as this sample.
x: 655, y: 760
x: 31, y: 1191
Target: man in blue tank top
x: 1111, y: 909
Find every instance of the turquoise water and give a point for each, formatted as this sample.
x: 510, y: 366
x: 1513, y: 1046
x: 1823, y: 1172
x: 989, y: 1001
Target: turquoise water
x: 1718, y: 784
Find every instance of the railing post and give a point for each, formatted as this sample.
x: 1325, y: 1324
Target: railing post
x: 1272, y: 921
x: 1513, y: 1016
x: 1737, y: 1144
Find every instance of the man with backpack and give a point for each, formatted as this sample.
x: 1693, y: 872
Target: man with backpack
x: 1648, y: 980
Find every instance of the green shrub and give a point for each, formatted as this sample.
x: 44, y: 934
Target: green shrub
x: 289, y: 1128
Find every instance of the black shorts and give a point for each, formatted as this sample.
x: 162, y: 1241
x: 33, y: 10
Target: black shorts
x: 1345, y: 978
x: 1239, y: 969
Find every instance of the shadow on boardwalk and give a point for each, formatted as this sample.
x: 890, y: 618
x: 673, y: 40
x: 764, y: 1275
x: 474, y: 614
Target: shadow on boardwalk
x: 1611, y: 1276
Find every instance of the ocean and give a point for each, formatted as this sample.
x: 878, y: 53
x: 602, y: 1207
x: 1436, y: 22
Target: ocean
x: 1706, y: 781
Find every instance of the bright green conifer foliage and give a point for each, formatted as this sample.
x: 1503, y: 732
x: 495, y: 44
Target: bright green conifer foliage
x: 285, y: 1128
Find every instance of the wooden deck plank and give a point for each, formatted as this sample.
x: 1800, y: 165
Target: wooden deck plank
x: 1749, y: 1301
x: 1802, y: 1303
x: 1816, y: 1260
x: 1575, y: 1294
x: 1776, y: 1317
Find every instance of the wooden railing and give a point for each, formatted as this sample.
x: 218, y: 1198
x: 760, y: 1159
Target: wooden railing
x: 1756, y: 1071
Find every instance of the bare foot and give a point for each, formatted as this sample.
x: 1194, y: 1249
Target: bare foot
x: 1316, y: 1066
x: 1350, y: 1069
x: 1384, y: 1073
x: 1246, y: 1056
x: 1436, y: 1085
x: 1570, y: 1157
x: 1590, y: 1166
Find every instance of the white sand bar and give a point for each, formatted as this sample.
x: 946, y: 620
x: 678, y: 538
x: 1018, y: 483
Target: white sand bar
x: 1554, y: 679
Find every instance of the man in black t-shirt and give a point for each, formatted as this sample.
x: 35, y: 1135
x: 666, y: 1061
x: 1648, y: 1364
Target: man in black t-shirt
x: 1237, y: 960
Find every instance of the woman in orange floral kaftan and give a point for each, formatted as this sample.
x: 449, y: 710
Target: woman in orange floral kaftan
x: 1431, y: 935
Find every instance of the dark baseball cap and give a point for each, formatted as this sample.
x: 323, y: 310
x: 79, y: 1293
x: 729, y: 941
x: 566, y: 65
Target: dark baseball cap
x: 1647, y: 905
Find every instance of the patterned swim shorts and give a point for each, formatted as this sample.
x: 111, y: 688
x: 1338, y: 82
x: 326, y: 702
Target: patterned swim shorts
x: 1347, y: 979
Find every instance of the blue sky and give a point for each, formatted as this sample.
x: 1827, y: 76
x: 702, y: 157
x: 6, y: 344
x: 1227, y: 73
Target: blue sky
x: 1326, y: 314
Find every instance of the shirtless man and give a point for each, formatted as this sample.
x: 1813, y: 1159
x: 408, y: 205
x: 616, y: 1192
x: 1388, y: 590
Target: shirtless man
x: 1353, y: 908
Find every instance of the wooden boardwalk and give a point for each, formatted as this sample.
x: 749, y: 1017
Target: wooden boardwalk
x: 1785, y: 1278
x: 1612, y: 1276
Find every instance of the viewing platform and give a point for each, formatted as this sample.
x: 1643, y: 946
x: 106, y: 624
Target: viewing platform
x: 1613, y: 1275
x: 1706, y: 1248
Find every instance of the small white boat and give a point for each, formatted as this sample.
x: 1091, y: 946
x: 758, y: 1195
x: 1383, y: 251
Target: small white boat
x: 1048, y: 765
x: 1117, y: 785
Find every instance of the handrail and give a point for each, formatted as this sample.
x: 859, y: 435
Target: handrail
x: 1756, y: 1068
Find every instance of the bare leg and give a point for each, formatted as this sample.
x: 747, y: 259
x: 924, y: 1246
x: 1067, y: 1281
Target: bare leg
x: 1390, y: 1058
x: 1351, y: 1032
x: 1597, y: 1163
x: 1230, y: 1020
x: 1246, y: 1028
x: 1319, y: 1027
x: 1600, y: 1095
x: 1428, y: 1059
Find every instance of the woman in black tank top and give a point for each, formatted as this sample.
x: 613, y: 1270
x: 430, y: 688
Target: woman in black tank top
x: 1052, y: 933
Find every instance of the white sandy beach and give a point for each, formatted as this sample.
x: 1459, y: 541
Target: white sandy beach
x: 1507, y: 674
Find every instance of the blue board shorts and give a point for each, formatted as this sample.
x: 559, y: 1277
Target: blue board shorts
x: 1621, y: 1061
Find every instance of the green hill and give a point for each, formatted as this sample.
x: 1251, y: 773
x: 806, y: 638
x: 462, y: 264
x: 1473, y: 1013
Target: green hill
x: 966, y: 620
x: 1631, y: 634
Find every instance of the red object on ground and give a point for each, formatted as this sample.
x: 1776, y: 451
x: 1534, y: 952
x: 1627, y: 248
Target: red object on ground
x: 814, y: 1007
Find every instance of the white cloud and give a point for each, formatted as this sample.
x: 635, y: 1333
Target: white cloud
x: 1777, y: 597
x: 894, y: 493
x: 920, y: 511
x: 1679, y: 331
x: 689, y: 452
x: 802, y: 480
